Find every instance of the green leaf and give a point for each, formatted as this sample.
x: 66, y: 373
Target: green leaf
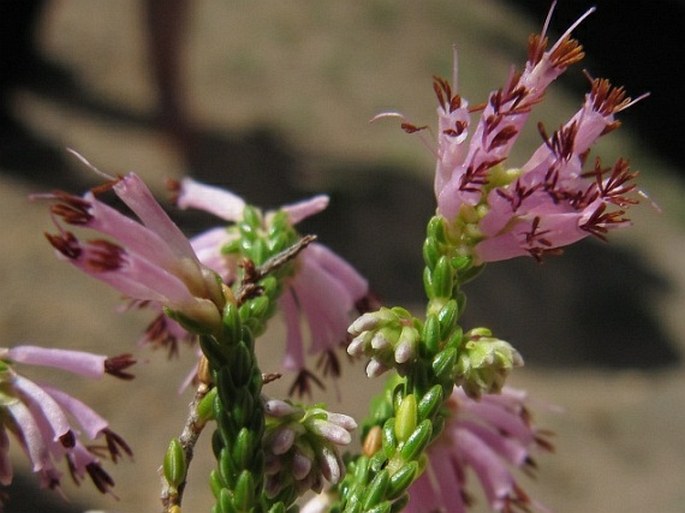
x: 175, y: 463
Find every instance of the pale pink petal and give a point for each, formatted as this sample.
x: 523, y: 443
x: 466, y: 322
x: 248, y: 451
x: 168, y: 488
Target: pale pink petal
x: 220, y: 202
x: 77, y: 362
x: 303, y: 209
x: 91, y: 422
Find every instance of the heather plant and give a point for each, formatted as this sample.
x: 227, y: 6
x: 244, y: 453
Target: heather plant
x: 445, y: 412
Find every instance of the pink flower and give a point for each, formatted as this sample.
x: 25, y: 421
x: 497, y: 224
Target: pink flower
x: 150, y: 260
x: 490, y: 436
x: 323, y: 290
x: 40, y: 417
x: 494, y: 212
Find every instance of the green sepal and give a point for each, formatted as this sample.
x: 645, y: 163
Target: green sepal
x: 277, y: 243
x: 456, y: 338
x: 232, y: 322
x: 436, y: 229
x: 205, y: 408
x: 231, y: 247
x: 244, y: 491
x: 444, y: 362
x: 259, y: 252
x: 175, y: 465
x: 252, y: 216
x: 417, y: 441
x: 225, y: 502
x: 447, y: 316
x: 241, y: 365
x: 240, y: 409
x: 375, y: 492
x: 226, y: 468
x: 215, y: 483
x: 216, y: 354
x: 243, y: 448
x: 383, y: 507
x: 431, y: 254
x: 431, y: 334
x: 400, y: 480
x: 430, y: 402
x: 428, y: 282
x: 405, y: 419
x: 389, y: 441
x: 443, y: 278
x: 361, y: 470
x: 377, y: 461
x: 259, y: 306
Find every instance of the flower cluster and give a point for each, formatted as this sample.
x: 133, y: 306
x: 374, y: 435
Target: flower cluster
x: 494, y: 212
x: 489, y: 436
x: 302, y: 446
x: 322, y: 288
x: 150, y: 261
x: 39, y: 416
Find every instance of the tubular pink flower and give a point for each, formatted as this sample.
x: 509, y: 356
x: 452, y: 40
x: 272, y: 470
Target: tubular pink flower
x: 151, y: 260
x: 494, y: 212
x: 77, y: 362
x: 323, y: 290
x: 490, y: 436
x: 40, y: 417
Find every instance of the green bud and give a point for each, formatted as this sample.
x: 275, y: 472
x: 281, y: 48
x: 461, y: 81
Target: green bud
x: 405, y: 420
x: 215, y: 483
x: 241, y: 365
x: 270, y: 285
x: 383, y: 507
x: 447, y: 316
x: 232, y: 322
x: 430, y: 402
x: 400, y: 480
x: 417, y: 441
x: 431, y: 334
x: 436, y: 229
x: 375, y: 492
x: 259, y: 306
x: 231, y: 248
x: 226, y: 468
x: 247, y: 230
x: 443, y: 276
x: 428, y: 282
x: 444, y: 362
x: 431, y: 254
x: 224, y: 502
x: 243, y: 449
x: 175, y: 463
x: 485, y: 362
x: 389, y: 441
x: 244, y: 491
x: 205, y: 409
x: 277, y: 243
x: 260, y: 252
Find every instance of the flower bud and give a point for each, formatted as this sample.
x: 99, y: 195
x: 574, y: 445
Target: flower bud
x: 485, y: 362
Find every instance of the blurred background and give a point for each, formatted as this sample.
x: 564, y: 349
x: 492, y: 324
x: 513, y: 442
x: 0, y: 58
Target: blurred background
x: 272, y: 100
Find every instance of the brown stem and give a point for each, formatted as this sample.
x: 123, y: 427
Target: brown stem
x: 172, y: 496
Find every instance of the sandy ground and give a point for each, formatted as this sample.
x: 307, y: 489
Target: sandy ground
x: 281, y: 97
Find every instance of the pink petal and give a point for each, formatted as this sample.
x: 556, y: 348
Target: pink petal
x: 303, y: 209
x: 220, y: 202
x: 77, y: 362
x: 133, y: 191
x: 91, y: 422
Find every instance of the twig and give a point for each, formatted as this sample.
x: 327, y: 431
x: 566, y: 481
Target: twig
x: 172, y: 496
